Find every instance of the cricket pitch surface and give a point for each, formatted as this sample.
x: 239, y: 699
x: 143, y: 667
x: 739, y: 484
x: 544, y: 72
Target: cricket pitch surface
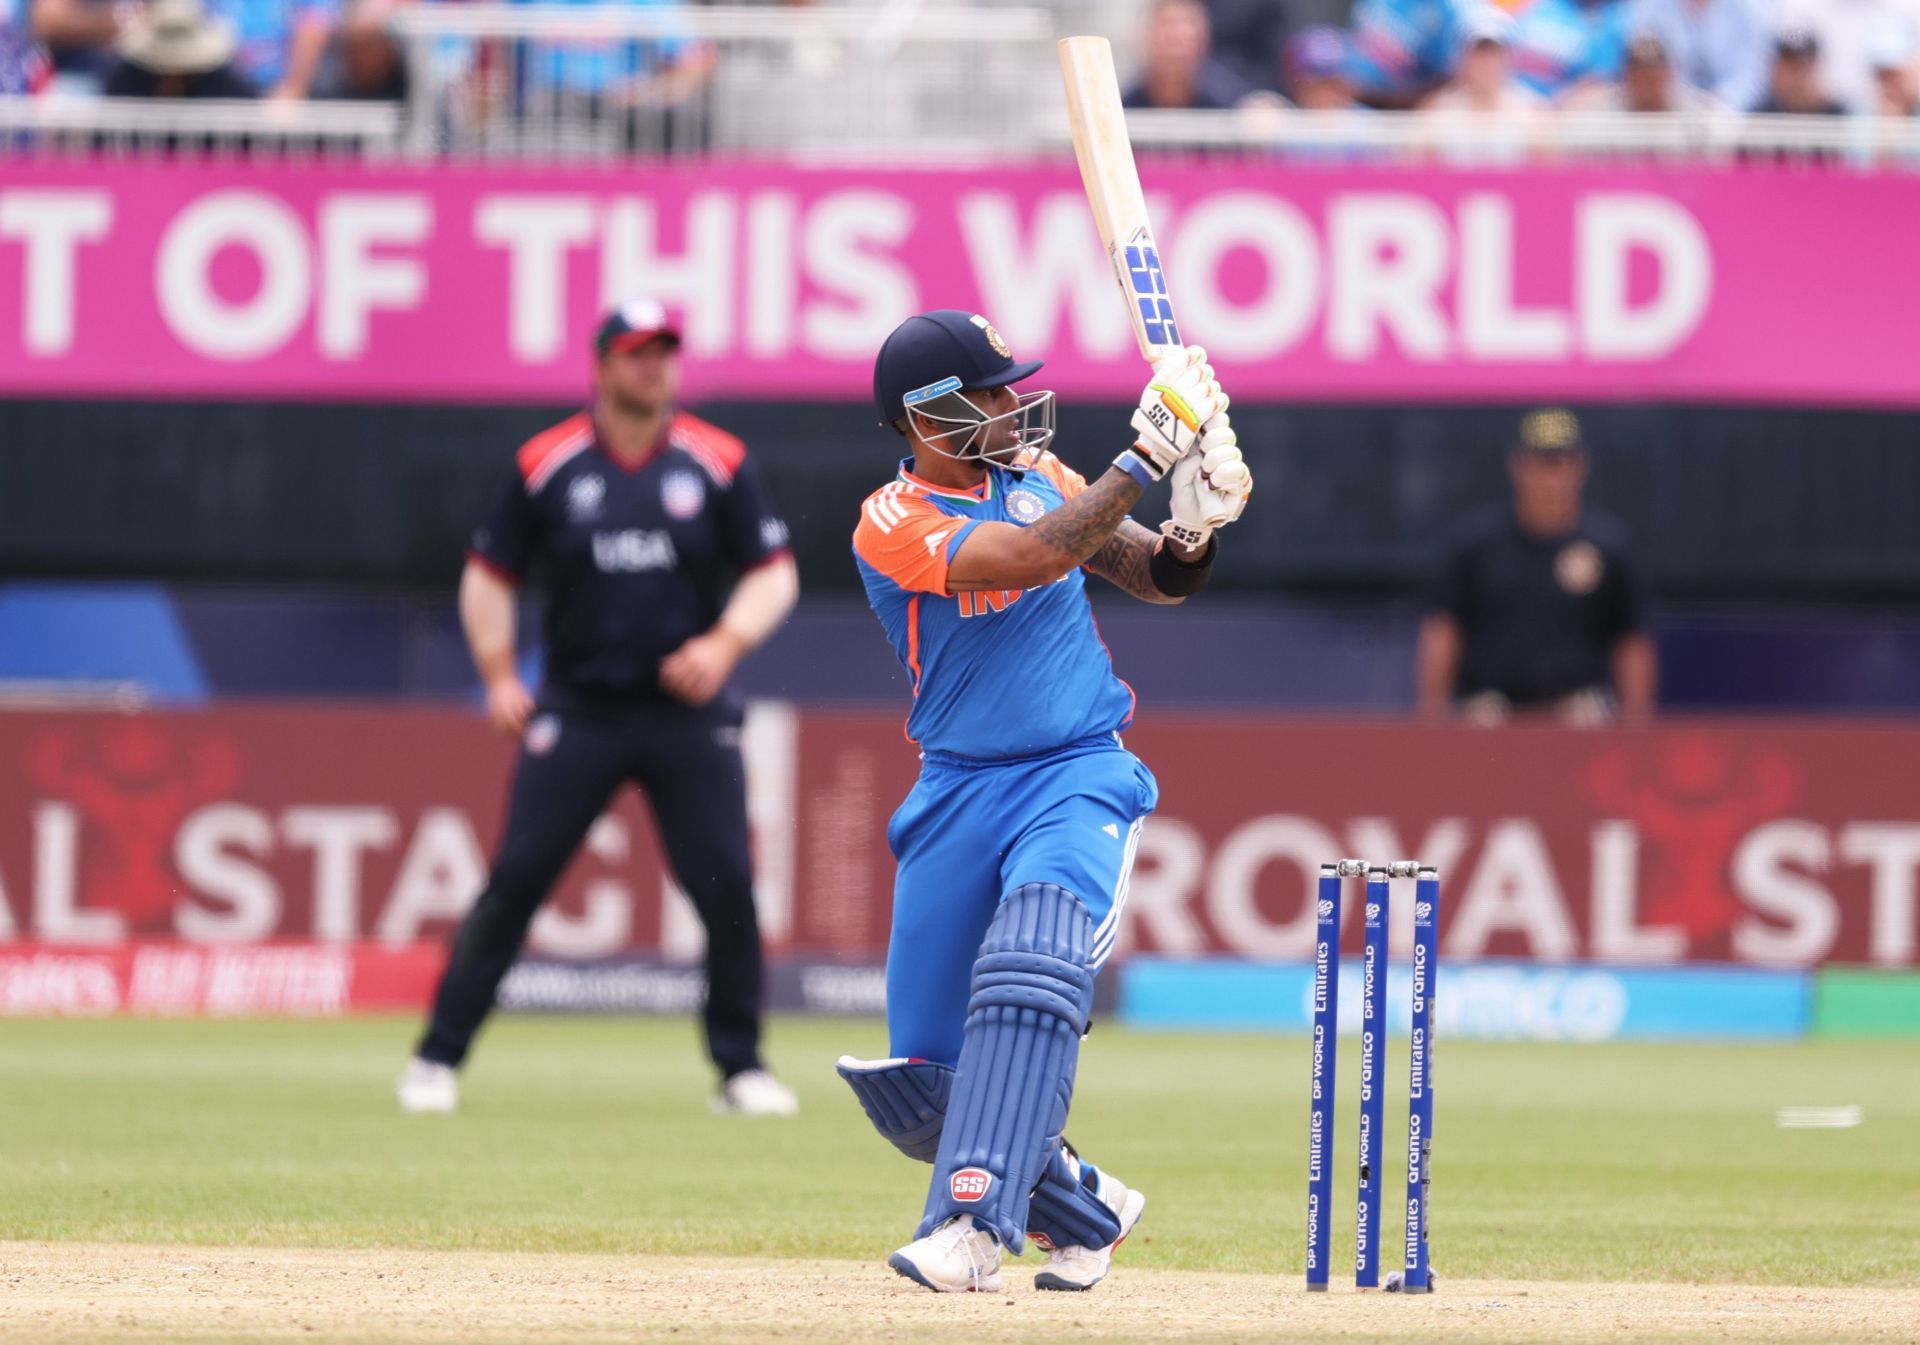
x: 96, y: 1291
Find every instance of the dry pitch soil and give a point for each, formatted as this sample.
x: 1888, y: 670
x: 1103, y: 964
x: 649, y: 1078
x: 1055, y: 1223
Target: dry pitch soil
x: 71, y: 1292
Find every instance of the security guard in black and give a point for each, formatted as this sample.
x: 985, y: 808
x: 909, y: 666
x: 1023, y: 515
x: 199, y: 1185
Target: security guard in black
x: 1541, y: 614
x: 1538, y: 607
x: 663, y: 561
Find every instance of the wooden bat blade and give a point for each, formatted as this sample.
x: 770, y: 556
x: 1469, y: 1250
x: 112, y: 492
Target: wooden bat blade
x: 1112, y: 180
x: 1100, y: 142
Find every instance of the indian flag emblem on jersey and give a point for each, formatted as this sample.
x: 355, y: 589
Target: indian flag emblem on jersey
x: 1024, y: 507
x: 682, y: 494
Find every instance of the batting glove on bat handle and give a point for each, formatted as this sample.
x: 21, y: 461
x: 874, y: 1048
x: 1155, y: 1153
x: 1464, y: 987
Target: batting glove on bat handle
x: 1182, y: 396
x: 1210, y: 486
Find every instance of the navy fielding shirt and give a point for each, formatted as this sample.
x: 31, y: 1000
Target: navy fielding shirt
x: 635, y: 561
x: 1539, y: 616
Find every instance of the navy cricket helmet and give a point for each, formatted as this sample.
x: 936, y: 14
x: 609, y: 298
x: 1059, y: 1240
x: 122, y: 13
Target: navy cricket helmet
x: 930, y: 360
x: 936, y: 353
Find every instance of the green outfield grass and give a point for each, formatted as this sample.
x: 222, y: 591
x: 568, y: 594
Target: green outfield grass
x: 1564, y: 1162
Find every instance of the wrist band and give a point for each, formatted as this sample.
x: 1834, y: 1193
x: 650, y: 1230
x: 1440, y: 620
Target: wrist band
x: 1130, y: 463
x: 1178, y: 578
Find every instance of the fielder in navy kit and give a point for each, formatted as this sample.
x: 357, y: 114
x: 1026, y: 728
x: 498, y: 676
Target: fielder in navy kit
x: 663, y: 563
x: 1016, y: 843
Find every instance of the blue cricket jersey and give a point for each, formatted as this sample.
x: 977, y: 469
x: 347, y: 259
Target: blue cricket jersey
x: 1403, y: 47
x: 996, y: 675
x: 1559, y: 43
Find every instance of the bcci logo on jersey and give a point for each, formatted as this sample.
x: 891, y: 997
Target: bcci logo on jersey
x: 1139, y: 260
x: 1024, y: 507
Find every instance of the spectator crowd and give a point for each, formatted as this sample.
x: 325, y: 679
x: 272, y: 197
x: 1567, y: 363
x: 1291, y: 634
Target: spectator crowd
x: 1519, y: 58
x: 304, y: 49
x: 1514, y: 58
x: 272, y: 49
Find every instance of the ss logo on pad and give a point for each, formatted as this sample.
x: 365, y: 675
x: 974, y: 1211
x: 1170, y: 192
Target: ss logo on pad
x: 970, y: 1184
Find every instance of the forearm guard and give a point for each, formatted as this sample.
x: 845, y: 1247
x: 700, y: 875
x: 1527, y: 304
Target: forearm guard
x: 1180, y: 579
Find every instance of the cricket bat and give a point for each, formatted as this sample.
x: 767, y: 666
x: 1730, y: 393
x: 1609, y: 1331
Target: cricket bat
x: 1113, y: 190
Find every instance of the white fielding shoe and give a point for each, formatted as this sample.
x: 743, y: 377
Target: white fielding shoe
x: 958, y: 1257
x: 1077, y: 1268
x: 754, y: 1092
x: 427, y: 1087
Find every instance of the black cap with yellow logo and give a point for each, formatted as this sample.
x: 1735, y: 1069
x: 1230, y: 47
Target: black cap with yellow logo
x: 1553, y: 430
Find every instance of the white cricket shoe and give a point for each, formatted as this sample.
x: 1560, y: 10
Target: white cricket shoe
x: 754, y: 1092
x: 426, y: 1086
x: 1075, y: 1268
x: 958, y: 1257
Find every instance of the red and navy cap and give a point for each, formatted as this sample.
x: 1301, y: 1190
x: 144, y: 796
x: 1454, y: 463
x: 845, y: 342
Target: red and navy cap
x: 632, y: 325
x: 939, y: 352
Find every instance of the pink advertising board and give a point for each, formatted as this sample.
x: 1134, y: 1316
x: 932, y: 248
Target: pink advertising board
x: 1328, y: 284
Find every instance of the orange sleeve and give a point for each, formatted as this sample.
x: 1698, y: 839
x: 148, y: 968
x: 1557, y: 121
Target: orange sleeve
x: 906, y: 538
x: 1071, y: 483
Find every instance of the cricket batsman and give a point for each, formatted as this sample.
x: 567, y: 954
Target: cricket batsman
x: 1015, y: 847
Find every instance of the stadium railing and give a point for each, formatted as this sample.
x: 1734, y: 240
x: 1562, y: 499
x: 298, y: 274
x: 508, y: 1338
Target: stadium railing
x: 139, y: 127
x: 1492, y: 141
x: 538, y: 81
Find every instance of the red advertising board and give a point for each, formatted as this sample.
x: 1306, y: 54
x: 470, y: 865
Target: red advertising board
x: 1766, y: 843
x: 170, y: 978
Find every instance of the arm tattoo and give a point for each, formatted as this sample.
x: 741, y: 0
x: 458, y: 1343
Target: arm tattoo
x: 1078, y: 528
x: 1126, y: 563
x: 1086, y: 523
